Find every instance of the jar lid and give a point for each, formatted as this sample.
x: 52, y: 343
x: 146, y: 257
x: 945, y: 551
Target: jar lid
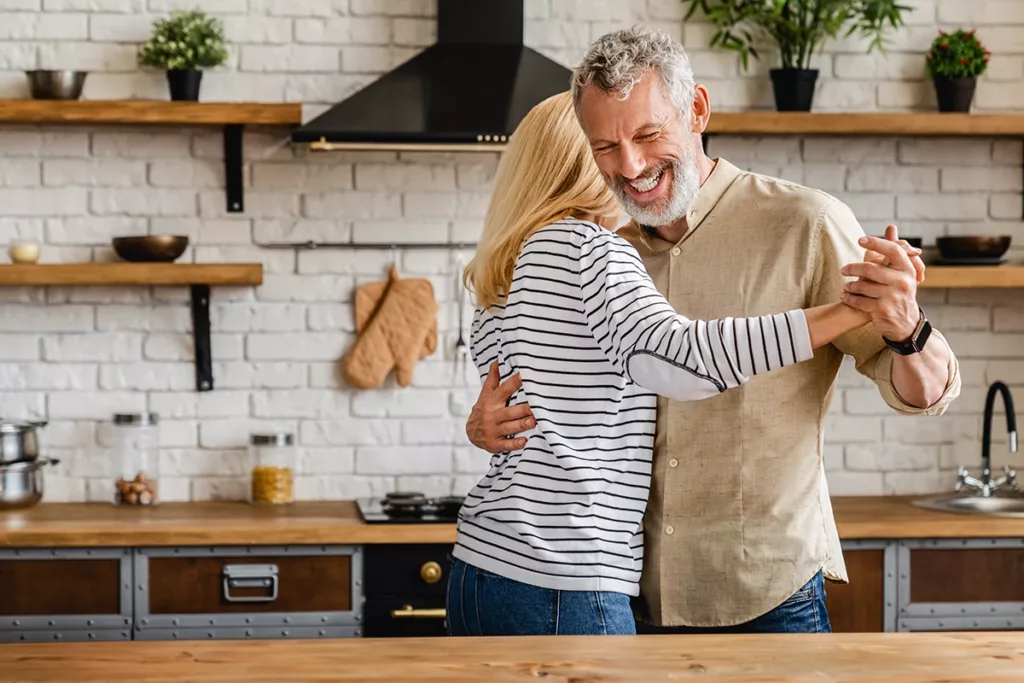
x: 140, y: 419
x: 278, y: 439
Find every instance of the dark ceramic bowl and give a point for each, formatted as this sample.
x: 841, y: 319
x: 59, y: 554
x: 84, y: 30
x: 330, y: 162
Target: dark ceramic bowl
x: 150, y: 248
x: 973, y: 247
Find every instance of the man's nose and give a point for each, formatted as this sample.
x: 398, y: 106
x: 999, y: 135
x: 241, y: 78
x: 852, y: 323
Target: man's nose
x: 631, y: 161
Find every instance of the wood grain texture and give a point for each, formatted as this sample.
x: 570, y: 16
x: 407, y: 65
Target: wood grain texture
x: 956, y: 277
x: 214, y: 523
x: 902, y: 123
x: 52, y: 525
x: 63, y: 587
x: 967, y: 575
x: 149, y: 112
x: 880, y: 658
x: 859, y: 606
x: 119, y: 273
x: 194, y: 585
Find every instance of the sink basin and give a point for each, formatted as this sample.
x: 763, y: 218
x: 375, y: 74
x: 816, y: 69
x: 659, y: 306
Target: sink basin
x: 996, y: 506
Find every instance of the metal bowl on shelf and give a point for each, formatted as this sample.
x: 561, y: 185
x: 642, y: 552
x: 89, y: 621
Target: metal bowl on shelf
x: 150, y: 248
x: 21, y: 483
x: 46, y: 84
x: 973, y: 249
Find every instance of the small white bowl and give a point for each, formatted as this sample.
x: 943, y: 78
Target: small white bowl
x: 23, y: 252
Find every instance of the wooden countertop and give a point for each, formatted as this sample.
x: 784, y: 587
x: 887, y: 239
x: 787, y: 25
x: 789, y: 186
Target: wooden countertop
x: 338, y: 522
x: 880, y: 658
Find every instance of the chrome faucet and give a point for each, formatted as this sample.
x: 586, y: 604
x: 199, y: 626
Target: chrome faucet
x: 985, y: 486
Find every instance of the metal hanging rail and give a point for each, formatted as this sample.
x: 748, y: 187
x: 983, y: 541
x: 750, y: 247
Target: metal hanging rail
x: 368, y: 245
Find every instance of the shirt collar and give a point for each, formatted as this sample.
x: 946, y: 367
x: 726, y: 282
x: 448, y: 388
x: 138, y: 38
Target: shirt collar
x: 721, y: 177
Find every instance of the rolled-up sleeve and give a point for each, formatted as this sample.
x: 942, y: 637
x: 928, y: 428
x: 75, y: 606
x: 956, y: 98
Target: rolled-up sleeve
x: 836, y: 245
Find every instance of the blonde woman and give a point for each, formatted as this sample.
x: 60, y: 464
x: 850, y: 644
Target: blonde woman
x: 549, y: 541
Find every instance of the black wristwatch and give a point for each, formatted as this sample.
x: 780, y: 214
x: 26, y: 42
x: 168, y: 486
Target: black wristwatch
x: 917, y: 340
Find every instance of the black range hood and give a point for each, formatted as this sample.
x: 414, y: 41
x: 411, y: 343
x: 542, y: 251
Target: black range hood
x: 467, y: 92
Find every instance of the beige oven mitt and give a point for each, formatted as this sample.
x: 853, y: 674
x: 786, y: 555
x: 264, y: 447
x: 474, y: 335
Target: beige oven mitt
x: 395, y: 334
x: 368, y: 297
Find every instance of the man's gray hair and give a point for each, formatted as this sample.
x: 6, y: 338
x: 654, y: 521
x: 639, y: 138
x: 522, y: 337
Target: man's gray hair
x: 617, y: 61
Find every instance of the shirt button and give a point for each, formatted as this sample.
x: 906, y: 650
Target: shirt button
x: 673, y: 463
x: 669, y: 530
x: 677, y: 251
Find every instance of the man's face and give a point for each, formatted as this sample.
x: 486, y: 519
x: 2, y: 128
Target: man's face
x: 643, y: 147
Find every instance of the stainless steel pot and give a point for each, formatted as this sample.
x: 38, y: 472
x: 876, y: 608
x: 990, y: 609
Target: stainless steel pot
x: 18, y: 441
x: 21, y: 483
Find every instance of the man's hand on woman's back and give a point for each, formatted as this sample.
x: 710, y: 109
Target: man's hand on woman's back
x: 493, y: 424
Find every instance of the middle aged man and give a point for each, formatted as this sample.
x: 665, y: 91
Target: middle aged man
x: 739, y: 530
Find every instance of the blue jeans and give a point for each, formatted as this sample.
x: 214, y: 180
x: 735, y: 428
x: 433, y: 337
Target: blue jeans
x: 803, y: 612
x: 481, y: 603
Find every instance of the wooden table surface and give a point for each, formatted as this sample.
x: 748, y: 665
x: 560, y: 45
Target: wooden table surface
x: 889, y: 657
x: 338, y: 522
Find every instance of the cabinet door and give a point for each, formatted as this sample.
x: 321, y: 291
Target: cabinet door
x: 49, y: 594
x: 969, y: 583
x: 859, y: 606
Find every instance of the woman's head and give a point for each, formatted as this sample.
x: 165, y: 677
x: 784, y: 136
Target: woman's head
x: 546, y: 173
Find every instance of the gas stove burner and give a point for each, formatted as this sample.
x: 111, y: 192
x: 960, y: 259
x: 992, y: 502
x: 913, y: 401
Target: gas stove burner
x: 404, y: 504
x: 448, y: 505
x: 405, y: 497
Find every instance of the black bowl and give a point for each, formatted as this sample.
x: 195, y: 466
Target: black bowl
x: 973, y: 247
x: 150, y: 248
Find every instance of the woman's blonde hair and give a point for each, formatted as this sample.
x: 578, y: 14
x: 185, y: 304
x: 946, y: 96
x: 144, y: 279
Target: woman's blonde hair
x: 547, y: 173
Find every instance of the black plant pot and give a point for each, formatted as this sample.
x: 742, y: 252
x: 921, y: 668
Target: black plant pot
x: 955, y: 94
x: 184, y: 84
x: 794, y: 88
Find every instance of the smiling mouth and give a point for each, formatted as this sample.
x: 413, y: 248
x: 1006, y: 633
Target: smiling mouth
x: 647, y: 188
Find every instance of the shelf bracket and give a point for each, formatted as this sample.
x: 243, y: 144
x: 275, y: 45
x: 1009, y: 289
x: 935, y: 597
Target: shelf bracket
x: 201, y: 337
x: 233, y: 167
x: 704, y: 141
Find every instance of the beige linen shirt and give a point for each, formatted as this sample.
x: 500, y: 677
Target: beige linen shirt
x: 739, y: 516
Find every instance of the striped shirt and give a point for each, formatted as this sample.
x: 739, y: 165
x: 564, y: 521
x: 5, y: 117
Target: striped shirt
x: 594, y: 342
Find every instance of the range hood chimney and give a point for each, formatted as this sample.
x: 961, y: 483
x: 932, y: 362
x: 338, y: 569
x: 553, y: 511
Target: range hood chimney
x: 467, y: 92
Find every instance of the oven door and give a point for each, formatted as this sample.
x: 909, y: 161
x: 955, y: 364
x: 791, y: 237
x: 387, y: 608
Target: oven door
x: 404, y: 618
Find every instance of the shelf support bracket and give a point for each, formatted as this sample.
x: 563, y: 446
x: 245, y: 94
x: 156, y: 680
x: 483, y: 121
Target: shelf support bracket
x: 704, y: 141
x: 233, y: 167
x: 201, y: 337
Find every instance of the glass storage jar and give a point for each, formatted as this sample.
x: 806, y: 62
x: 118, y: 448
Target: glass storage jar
x: 272, y: 477
x: 135, y: 439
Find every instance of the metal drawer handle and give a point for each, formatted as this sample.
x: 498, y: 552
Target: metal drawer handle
x: 408, y: 612
x: 250, y: 576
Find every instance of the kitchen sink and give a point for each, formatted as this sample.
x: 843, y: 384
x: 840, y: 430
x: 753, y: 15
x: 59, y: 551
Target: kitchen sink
x: 996, y: 506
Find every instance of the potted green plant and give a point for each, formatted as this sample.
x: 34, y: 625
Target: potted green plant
x: 798, y: 28
x: 954, y: 62
x: 184, y: 45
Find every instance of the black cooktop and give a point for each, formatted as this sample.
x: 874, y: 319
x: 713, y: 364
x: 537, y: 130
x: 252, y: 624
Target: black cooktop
x: 410, y: 507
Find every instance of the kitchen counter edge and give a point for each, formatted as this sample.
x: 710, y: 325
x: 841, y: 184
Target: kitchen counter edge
x: 54, y: 525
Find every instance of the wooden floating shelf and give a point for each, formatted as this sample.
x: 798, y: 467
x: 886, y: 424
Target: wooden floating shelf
x: 131, y: 274
x: 149, y: 112
x: 197, y: 276
x: 957, y: 277
x: 867, y: 123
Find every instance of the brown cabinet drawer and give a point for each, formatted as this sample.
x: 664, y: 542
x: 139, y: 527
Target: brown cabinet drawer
x: 288, y: 586
x: 967, y: 579
x: 859, y: 606
x: 67, y: 588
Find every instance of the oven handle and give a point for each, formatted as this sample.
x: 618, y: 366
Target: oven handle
x: 408, y: 612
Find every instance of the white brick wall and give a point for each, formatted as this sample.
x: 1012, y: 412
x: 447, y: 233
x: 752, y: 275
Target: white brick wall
x: 76, y: 355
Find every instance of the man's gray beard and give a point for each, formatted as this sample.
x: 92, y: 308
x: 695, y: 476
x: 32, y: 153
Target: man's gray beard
x: 685, y: 184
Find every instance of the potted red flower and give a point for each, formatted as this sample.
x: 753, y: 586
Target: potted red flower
x: 954, y: 62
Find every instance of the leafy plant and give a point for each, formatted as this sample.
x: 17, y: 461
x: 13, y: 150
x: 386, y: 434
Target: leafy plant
x: 798, y: 27
x: 188, y: 40
x: 957, y: 55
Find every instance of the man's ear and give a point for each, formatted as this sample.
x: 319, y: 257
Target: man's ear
x: 701, y: 113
